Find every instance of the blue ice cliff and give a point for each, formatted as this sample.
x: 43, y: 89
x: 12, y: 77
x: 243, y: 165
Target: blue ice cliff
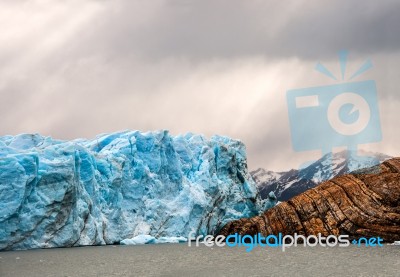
x: 118, y: 186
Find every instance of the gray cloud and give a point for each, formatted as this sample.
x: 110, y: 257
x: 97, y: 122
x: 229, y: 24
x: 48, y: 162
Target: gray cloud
x: 79, y: 68
x: 210, y: 29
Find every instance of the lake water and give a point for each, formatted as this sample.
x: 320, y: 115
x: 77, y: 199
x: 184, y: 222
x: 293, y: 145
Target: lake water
x: 181, y: 260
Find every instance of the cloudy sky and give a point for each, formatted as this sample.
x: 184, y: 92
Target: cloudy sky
x: 78, y: 68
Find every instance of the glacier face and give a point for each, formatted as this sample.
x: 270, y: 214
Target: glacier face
x: 57, y: 193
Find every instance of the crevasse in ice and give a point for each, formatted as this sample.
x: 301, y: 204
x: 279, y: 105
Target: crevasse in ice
x: 118, y: 186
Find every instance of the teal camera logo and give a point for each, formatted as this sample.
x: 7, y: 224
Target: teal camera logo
x: 341, y: 115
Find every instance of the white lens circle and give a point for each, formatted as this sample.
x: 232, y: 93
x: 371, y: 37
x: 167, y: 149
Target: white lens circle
x: 359, y: 104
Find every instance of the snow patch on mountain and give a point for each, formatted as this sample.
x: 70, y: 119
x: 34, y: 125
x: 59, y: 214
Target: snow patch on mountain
x: 288, y: 184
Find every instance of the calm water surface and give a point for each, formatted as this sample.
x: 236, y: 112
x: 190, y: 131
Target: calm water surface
x: 181, y: 260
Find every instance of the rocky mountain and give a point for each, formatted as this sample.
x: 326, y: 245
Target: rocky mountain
x: 362, y: 204
x: 288, y: 184
x: 118, y: 186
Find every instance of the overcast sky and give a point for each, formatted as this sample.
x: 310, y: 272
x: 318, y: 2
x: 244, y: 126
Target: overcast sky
x: 78, y: 68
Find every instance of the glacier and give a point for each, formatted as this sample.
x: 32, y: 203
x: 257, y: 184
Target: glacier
x: 147, y: 239
x: 121, y: 186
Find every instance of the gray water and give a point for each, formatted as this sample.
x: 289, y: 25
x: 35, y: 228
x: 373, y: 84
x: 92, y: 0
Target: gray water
x: 181, y: 260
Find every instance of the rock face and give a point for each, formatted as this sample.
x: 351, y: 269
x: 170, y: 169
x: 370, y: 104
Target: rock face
x: 363, y: 204
x: 290, y: 183
x: 89, y: 192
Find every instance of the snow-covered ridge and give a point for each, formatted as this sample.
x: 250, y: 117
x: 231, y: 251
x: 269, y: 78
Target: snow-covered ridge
x: 288, y: 184
x: 88, y: 192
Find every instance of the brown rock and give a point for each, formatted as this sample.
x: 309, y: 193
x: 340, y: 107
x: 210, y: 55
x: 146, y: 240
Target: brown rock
x: 362, y: 204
